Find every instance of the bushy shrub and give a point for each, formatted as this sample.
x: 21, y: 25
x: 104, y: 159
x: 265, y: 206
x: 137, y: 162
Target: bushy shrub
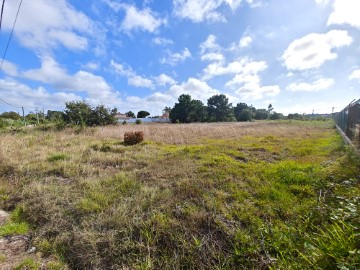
x: 131, y: 138
x: 138, y: 122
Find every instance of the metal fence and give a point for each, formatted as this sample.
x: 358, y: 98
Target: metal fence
x: 348, y: 120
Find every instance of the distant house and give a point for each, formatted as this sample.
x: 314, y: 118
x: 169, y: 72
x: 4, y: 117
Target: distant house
x: 166, y: 115
x: 120, y: 117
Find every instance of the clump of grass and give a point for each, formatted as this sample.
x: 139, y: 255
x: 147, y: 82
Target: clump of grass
x: 14, y: 228
x: 57, y: 157
x: 29, y: 264
x: 15, y: 225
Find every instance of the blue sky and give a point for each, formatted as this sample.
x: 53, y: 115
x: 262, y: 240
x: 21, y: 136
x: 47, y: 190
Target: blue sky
x: 141, y: 55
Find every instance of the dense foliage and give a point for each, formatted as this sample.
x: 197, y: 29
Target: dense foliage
x: 82, y: 114
x: 218, y: 109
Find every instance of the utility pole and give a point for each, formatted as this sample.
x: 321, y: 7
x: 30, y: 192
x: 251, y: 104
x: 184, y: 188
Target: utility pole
x: 37, y: 115
x: 23, y: 116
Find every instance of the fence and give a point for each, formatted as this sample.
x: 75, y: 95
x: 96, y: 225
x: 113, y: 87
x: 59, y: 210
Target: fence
x: 348, y: 120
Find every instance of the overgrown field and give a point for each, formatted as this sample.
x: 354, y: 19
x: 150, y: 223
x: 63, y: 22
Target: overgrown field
x: 271, y: 195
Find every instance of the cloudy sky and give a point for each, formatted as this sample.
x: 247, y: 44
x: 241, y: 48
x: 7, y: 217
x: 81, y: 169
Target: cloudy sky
x: 142, y: 54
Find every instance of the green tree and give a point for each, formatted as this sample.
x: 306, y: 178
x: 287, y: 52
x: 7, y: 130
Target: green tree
x: 166, y: 109
x: 54, y: 115
x: 246, y: 115
x: 142, y: 114
x: 77, y: 113
x: 198, y: 112
x: 238, y: 109
x: 219, y: 109
x: 10, y: 115
x: 270, y: 108
x: 182, y: 109
x: 102, y: 116
x: 276, y: 116
x: 261, y: 114
x: 130, y: 114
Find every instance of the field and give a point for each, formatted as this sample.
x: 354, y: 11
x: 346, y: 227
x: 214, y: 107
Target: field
x: 260, y: 195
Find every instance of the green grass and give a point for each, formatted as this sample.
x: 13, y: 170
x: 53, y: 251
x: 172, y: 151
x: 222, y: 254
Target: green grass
x: 15, y: 225
x: 264, y: 199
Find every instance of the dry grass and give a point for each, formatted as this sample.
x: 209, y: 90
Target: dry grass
x: 192, y: 133
x: 192, y: 196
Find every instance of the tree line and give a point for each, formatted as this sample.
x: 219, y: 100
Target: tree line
x: 186, y: 110
x: 218, y: 109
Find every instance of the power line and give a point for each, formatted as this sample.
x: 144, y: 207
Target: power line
x: 12, y: 30
x: 2, y: 11
x: 9, y: 103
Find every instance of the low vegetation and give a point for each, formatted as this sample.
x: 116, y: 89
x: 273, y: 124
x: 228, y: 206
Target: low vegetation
x: 262, y: 195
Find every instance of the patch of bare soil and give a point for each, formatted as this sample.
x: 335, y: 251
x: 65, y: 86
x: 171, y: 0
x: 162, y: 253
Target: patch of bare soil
x: 15, y: 249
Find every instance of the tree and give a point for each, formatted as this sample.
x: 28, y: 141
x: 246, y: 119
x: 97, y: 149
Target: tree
x: 55, y: 115
x: 77, y: 113
x: 102, y: 116
x: 261, y: 114
x: 10, y: 115
x: 238, y: 109
x: 270, y: 108
x: 167, y: 109
x: 246, y: 115
x: 181, y: 110
x: 275, y: 116
x: 198, y: 112
x: 219, y: 109
x: 142, y: 114
x: 130, y: 114
x: 82, y: 114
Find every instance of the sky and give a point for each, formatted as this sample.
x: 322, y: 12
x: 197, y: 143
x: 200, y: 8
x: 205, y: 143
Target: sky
x: 300, y: 56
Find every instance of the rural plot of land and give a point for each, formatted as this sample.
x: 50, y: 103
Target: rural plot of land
x: 260, y: 195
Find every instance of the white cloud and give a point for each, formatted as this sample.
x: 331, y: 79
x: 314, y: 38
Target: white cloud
x: 317, y: 85
x: 245, y: 41
x: 9, y: 68
x: 246, y: 81
x: 345, y: 12
x: 164, y: 79
x: 52, y: 73
x: 321, y: 2
x: 91, y: 65
x: 44, y: 24
x: 209, y: 44
x: 355, y: 75
x: 121, y: 69
x: 210, y: 50
x: 212, y: 57
x: 241, y: 66
x: 206, y: 10
x: 20, y: 94
x: 198, y: 10
x: 196, y: 88
x: 175, y: 58
x: 313, y: 50
x: 145, y: 19
x: 139, y: 81
x: 162, y: 41
x: 254, y: 91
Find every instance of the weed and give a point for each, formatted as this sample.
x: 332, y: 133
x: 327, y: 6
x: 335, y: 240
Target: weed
x: 14, y: 228
x: 29, y: 264
x: 57, y: 156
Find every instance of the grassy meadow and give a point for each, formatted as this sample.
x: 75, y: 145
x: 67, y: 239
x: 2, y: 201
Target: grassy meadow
x: 259, y: 195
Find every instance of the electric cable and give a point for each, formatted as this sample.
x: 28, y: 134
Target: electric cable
x: 11, y: 33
